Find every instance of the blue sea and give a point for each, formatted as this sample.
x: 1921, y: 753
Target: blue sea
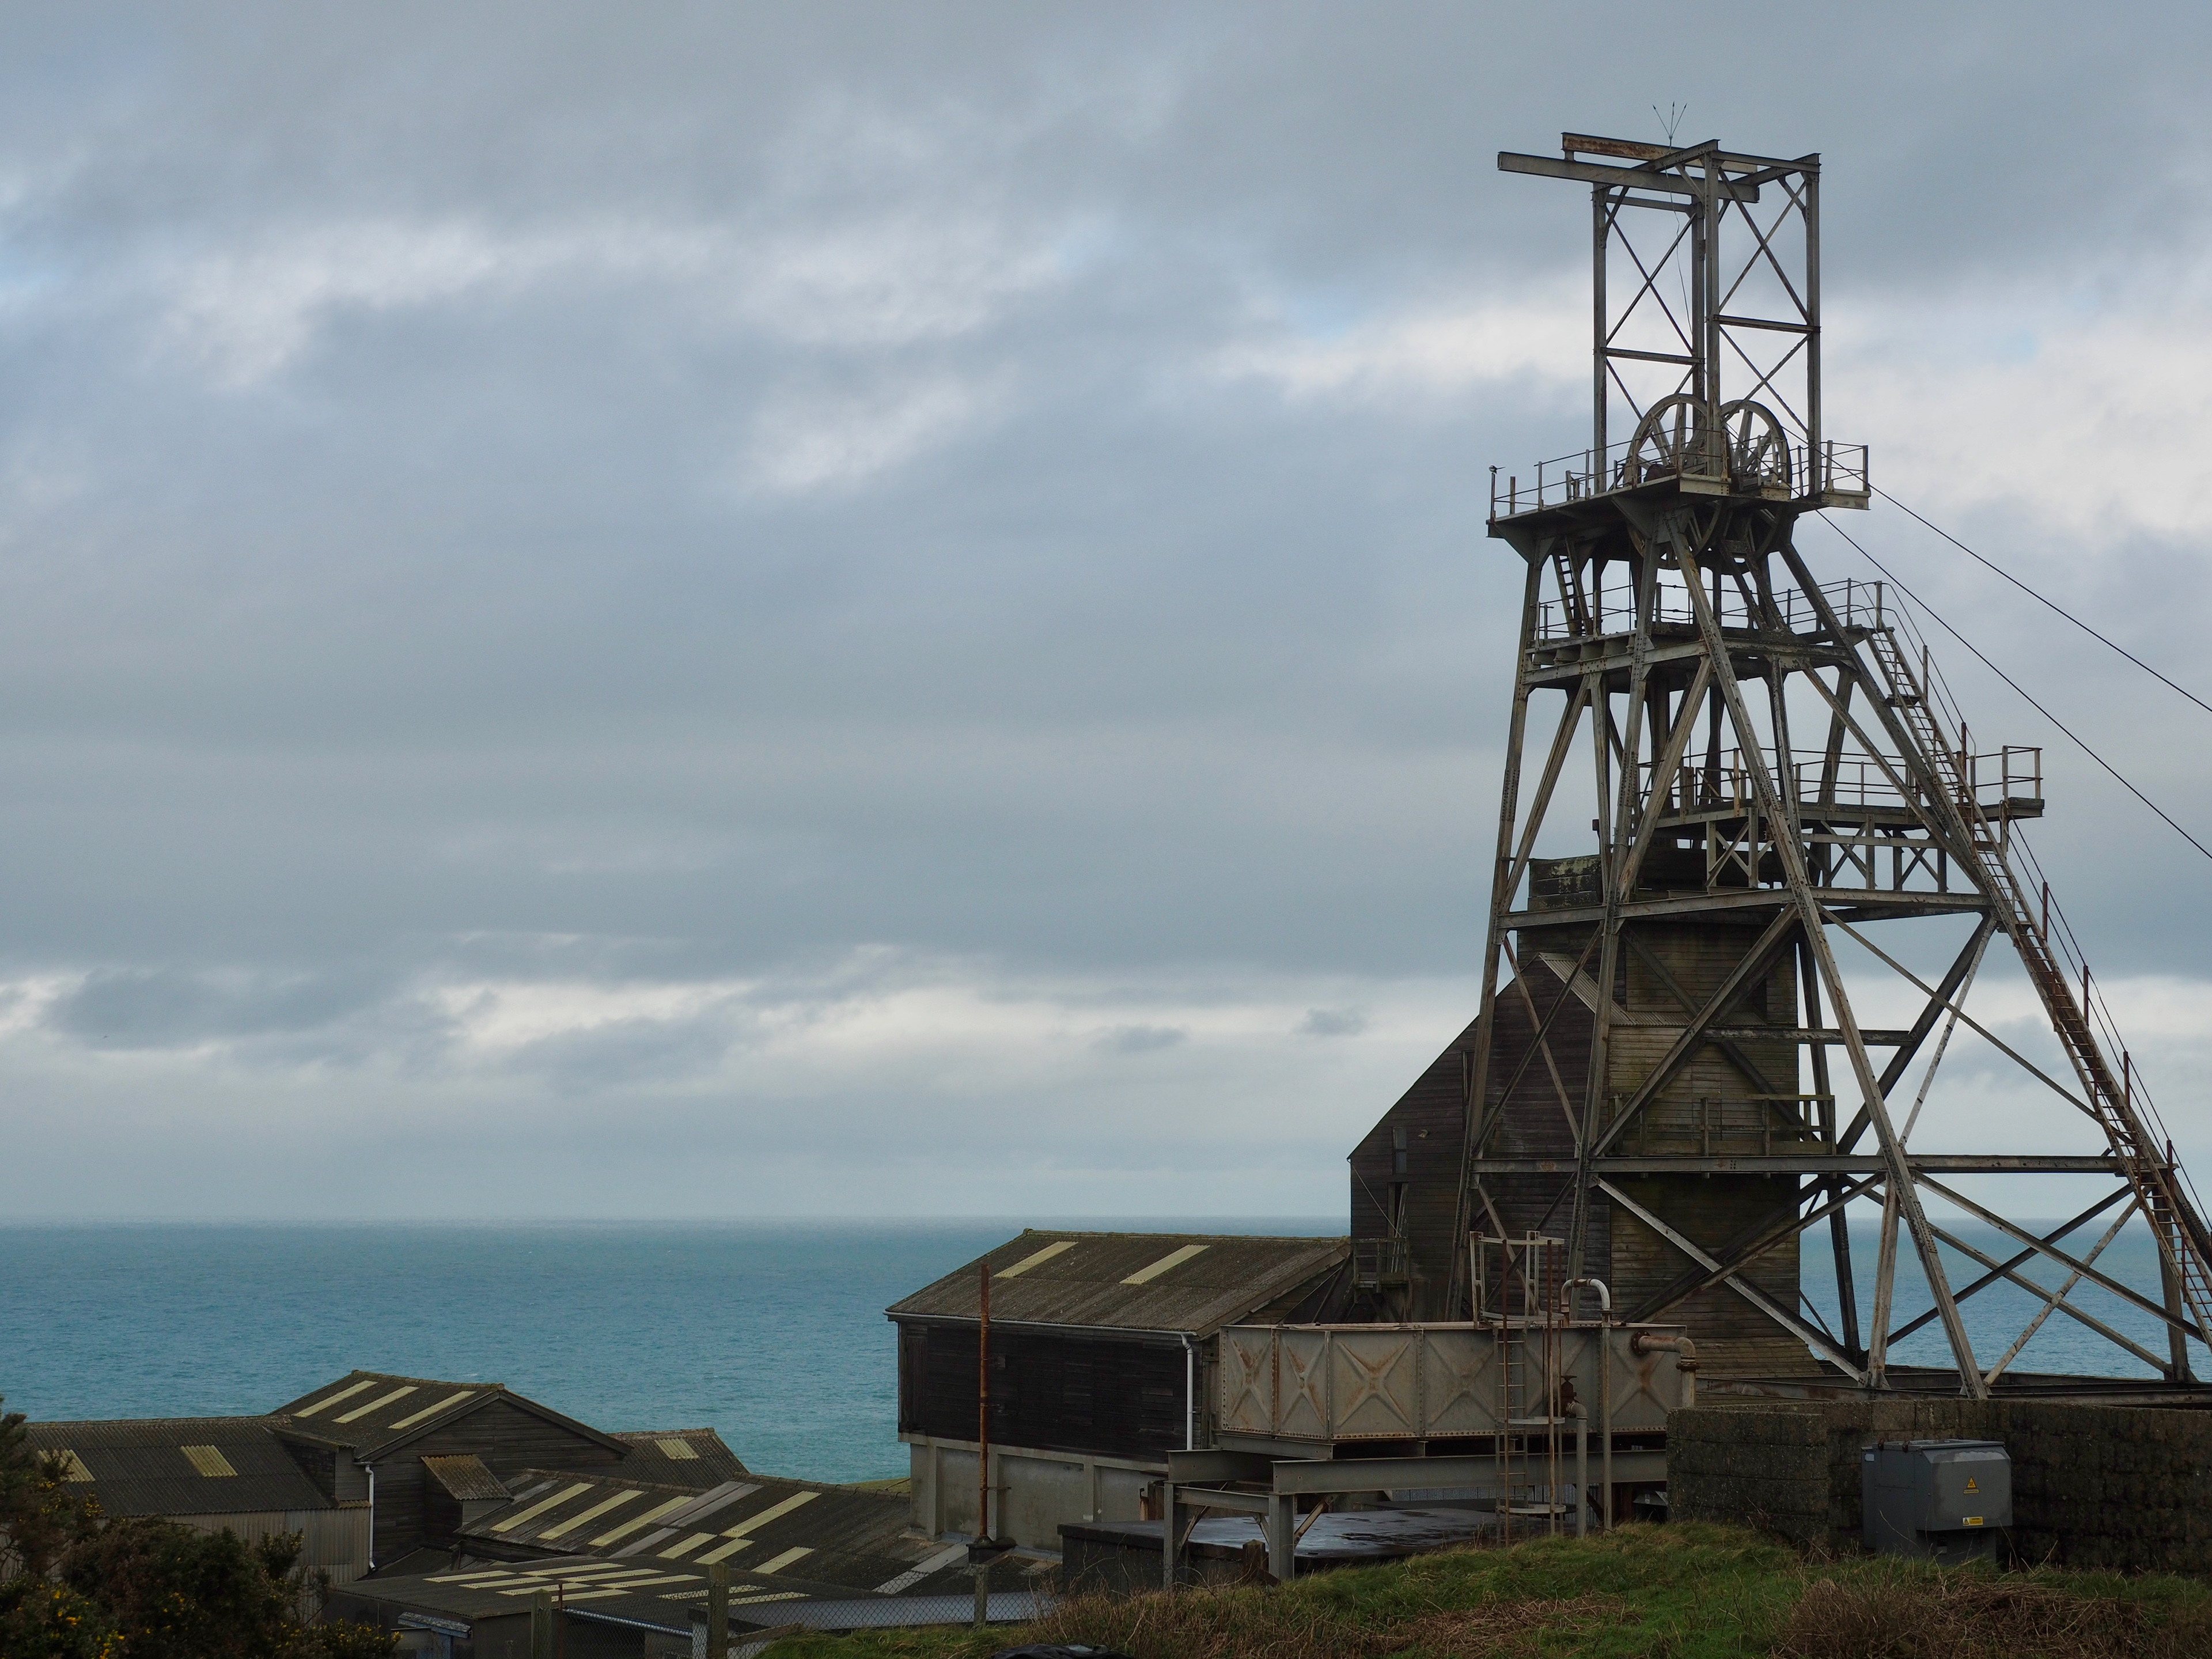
x: 772, y: 1333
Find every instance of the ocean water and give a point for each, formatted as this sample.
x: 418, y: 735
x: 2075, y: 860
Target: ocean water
x: 772, y: 1333
x: 1995, y: 1316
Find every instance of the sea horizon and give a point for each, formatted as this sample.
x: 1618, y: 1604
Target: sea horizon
x: 769, y: 1330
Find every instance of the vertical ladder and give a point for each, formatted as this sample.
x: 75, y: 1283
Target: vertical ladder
x: 2182, y: 1239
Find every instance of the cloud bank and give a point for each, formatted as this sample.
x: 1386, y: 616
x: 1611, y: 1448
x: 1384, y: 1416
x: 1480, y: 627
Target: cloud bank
x: 822, y: 609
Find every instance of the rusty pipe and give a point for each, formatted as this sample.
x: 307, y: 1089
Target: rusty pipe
x: 1685, y: 1358
x: 1604, y: 1387
x: 1604, y: 1296
x: 1581, y: 1415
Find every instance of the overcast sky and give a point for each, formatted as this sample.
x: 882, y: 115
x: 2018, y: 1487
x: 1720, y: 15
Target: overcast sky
x: 729, y: 611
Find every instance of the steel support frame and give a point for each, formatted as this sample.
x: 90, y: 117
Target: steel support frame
x: 1636, y: 771
x: 1714, y: 544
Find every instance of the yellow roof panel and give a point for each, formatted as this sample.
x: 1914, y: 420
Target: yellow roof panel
x: 380, y: 1400
x: 330, y: 1399
x: 208, y: 1461
x: 1042, y: 1256
x: 1172, y: 1258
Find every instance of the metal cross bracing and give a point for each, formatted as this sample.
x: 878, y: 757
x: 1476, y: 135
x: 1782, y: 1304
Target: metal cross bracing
x: 1775, y: 773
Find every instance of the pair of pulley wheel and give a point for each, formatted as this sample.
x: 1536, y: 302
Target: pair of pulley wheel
x: 1673, y: 439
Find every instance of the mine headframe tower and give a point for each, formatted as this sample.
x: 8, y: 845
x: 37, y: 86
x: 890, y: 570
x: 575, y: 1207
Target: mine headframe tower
x: 1724, y: 1099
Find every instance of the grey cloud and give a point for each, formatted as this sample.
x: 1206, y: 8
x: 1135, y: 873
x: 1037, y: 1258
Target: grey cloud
x: 168, y: 1007
x: 1333, y: 1021
x: 1140, y: 1039
x: 624, y: 1054
x: 552, y: 495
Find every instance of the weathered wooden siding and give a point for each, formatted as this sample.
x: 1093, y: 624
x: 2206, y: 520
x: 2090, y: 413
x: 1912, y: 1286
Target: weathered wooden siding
x: 1056, y: 1391
x: 1404, y: 1172
x: 508, y: 1439
x: 1418, y: 1180
x: 335, y: 1540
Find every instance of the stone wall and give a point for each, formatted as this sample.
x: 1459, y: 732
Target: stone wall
x: 2123, y: 1487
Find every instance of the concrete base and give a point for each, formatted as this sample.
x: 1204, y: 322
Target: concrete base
x: 1035, y: 1492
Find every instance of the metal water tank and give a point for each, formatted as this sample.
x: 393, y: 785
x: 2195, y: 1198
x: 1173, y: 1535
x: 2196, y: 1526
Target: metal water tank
x: 1938, y: 1500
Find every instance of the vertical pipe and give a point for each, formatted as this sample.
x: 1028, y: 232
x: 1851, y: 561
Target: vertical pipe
x: 1582, y: 1468
x: 983, y: 1416
x: 1605, y: 1410
x: 1189, y: 1392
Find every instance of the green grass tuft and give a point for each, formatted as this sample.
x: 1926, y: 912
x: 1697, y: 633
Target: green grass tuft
x: 1682, y: 1591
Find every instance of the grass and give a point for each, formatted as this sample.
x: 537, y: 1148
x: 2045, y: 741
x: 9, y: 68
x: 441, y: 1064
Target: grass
x: 1684, y: 1591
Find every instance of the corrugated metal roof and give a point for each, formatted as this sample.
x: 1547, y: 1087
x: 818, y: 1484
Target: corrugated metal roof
x: 660, y: 1595
x: 465, y: 1477
x: 679, y: 1457
x: 648, y: 1594
x: 369, y: 1410
x: 375, y: 1412
x: 866, y: 1537
x: 175, y: 1465
x: 1182, y: 1282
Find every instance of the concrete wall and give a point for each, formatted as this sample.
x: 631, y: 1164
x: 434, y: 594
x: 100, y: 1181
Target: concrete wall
x: 2122, y: 1487
x: 1037, y: 1491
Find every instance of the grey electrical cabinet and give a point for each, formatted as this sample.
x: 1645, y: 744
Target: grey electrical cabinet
x: 1940, y: 1500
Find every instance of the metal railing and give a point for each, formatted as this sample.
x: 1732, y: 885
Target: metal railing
x: 1378, y: 1263
x: 1838, y: 470
x: 1996, y: 779
x: 1856, y: 604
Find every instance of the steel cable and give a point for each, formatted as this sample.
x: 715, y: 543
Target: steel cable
x: 2076, y: 739
x: 2052, y: 604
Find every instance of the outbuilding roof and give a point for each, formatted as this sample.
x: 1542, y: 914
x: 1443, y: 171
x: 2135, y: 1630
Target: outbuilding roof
x: 649, y: 1597
x: 465, y: 1477
x: 1185, y: 1283
x: 679, y: 1457
x: 374, y: 1412
x: 647, y: 1594
x: 842, y: 1535
x: 179, y: 1465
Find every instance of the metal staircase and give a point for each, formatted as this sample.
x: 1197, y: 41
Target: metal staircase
x: 2183, y: 1241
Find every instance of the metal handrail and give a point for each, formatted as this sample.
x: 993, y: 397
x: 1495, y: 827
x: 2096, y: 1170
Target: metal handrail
x: 1996, y: 778
x: 1856, y: 604
x: 1841, y: 470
